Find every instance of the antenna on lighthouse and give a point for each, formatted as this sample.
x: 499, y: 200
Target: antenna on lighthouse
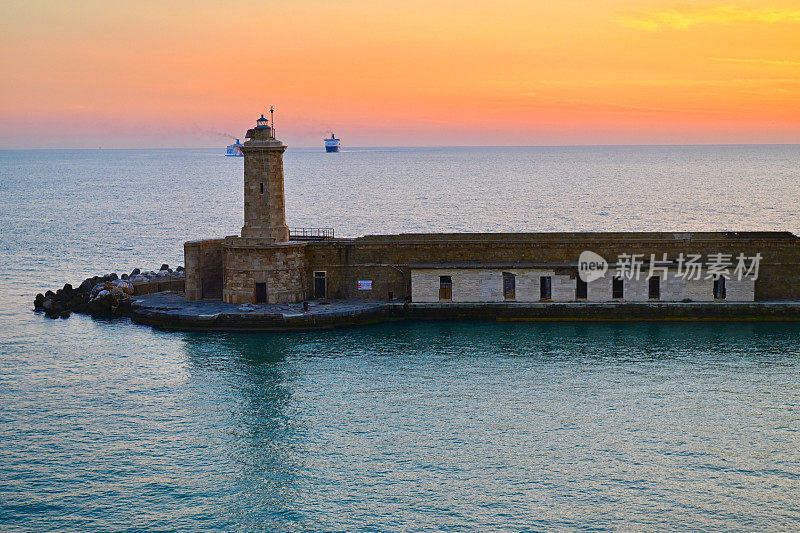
x: 272, y: 119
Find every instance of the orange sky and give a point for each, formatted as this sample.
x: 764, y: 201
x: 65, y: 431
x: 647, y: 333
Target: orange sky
x: 149, y: 74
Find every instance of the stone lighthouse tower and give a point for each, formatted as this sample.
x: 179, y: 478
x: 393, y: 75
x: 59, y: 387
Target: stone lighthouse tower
x: 264, y: 210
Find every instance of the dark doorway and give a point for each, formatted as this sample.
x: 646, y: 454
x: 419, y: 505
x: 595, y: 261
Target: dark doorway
x: 719, y: 288
x: 581, y: 289
x: 261, y: 293
x: 211, y: 289
x: 445, y: 288
x: 320, y: 284
x: 616, y: 288
x: 509, y: 286
x: 545, y: 287
x: 654, y: 288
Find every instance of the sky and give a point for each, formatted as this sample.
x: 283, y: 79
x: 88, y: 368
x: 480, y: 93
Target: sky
x: 84, y: 74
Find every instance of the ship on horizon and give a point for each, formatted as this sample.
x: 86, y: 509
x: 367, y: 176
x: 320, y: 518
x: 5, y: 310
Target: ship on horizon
x: 332, y: 144
x: 234, y: 150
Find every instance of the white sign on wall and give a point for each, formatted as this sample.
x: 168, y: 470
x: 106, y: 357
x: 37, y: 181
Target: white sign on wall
x: 365, y: 285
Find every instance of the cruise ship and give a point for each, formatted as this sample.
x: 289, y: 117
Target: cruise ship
x: 332, y: 144
x: 234, y: 150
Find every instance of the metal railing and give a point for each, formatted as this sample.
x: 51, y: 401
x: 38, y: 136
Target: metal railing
x: 311, y: 234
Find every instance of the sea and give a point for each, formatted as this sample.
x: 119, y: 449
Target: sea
x: 417, y: 426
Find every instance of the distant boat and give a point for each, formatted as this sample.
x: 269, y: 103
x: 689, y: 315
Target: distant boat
x: 332, y: 144
x: 234, y: 150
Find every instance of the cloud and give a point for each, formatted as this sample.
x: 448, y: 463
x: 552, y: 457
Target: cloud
x: 686, y: 17
x: 760, y: 61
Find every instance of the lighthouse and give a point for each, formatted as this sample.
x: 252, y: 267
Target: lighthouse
x: 264, y: 206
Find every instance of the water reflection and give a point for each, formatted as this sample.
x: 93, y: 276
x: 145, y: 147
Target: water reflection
x: 262, y: 440
x: 554, y: 424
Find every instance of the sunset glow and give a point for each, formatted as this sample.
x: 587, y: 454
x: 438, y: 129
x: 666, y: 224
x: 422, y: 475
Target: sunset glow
x: 151, y: 74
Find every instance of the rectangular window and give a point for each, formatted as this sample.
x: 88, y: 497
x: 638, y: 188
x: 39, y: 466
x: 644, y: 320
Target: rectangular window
x: 719, y: 288
x: 509, y: 286
x: 262, y: 188
x: 581, y: 289
x: 545, y: 287
x: 654, y: 288
x: 616, y: 288
x: 261, y: 293
x: 445, y: 288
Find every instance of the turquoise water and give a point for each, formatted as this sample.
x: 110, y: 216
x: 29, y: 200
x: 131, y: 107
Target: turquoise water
x: 105, y: 425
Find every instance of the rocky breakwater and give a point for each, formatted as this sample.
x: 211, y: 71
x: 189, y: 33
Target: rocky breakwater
x: 107, y: 295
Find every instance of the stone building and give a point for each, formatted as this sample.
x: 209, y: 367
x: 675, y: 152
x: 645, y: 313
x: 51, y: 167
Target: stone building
x: 269, y: 263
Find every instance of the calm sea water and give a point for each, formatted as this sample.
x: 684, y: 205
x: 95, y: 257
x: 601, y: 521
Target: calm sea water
x: 105, y: 425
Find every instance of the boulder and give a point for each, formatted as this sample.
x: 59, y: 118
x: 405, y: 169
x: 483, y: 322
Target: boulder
x: 86, y: 286
x: 124, y: 276
x: 64, y: 314
x: 135, y: 272
x: 113, y: 276
x: 52, y: 306
x: 99, y: 306
x: 164, y: 267
x: 125, y: 286
x: 100, y: 292
x: 38, y: 301
x: 77, y: 300
x: 96, y: 289
x: 179, y: 269
x: 49, y: 294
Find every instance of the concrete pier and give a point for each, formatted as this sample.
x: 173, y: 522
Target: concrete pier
x: 169, y: 310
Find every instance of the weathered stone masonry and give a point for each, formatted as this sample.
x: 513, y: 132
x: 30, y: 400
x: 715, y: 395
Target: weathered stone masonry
x: 282, y: 267
x: 264, y: 263
x: 387, y: 261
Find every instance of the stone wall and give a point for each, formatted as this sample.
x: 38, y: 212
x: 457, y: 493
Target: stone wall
x: 204, y: 273
x: 386, y: 260
x: 282, y: 266
x: 150, y: 287
x: 486, y: 285
x: 673, y: 289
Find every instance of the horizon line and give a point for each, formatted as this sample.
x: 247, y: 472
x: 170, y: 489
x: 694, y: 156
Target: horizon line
x: 101, y: 148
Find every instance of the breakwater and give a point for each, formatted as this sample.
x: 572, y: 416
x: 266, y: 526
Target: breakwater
x: 109, y: 294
